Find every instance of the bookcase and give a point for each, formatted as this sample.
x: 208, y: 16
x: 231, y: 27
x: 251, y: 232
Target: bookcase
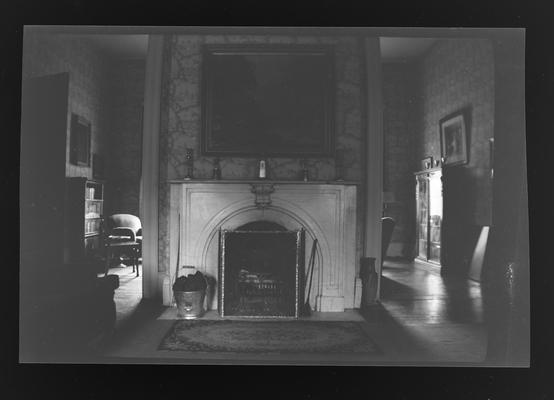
x: 84, y: 218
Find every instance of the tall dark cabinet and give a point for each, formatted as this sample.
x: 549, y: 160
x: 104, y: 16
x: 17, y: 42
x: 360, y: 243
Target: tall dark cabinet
x: 44, y: 118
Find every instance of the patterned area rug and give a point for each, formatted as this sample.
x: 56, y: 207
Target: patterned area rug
x: 281, y: 337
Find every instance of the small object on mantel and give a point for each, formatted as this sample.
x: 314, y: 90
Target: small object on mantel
x: 305, y: 172
x: 189, y: 162
x: 262, y: 169
x: 216, y: 174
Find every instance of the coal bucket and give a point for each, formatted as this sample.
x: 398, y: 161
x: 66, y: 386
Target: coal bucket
x: 190, y: 305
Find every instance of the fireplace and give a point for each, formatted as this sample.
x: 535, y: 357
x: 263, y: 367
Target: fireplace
x: 202, y: 212
x: 260, y: 273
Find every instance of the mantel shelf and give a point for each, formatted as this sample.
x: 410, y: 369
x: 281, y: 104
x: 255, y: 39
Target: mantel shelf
x: 258, y: 181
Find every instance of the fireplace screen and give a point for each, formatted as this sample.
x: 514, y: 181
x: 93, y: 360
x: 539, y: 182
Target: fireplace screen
x: 259, y: 273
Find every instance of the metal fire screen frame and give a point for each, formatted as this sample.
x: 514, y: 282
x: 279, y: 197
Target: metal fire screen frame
x: 298, y: 266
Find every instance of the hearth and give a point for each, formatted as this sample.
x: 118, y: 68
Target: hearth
x: 260, y: 271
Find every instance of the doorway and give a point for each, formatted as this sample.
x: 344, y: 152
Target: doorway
x: 127, y: 58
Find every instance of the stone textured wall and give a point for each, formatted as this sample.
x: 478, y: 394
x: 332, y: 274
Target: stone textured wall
x: 45, y: 54
x: 181, y: 118
x: 455, y: 74
x: 124, y: 163
x: 399, y: 160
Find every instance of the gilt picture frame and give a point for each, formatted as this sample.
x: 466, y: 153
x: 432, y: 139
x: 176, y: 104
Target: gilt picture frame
x: 271, y: 100
x: 454, y: 139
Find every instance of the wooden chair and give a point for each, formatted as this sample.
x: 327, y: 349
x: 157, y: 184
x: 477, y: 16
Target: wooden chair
x: 123, y: 236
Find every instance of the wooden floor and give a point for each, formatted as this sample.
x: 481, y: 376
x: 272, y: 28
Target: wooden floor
x: 422, y: 319
x: 419, y: 295
x: 444, y: 316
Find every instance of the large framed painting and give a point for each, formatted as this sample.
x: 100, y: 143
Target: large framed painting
x: 269, y: 100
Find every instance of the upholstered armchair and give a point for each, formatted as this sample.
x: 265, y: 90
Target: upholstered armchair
x: 123, y: 227
x: 123, y: 236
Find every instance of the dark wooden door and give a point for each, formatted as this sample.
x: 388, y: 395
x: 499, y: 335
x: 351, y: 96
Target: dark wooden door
x: 43, y: 144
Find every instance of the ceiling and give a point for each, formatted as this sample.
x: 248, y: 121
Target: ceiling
x: 120, y: 46
x: 402, y: 48
x: 393, y: 49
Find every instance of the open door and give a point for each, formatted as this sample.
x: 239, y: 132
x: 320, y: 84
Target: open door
x: 42, y: 183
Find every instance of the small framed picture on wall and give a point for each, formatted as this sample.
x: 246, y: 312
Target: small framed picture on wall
x: 454, y: 139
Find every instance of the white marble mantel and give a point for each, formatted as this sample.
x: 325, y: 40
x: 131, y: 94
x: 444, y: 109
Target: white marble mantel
x: 326, y: 210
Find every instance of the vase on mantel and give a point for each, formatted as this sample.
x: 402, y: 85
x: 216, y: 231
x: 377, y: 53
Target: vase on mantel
x: 262, y: 169
x: 189, y: 162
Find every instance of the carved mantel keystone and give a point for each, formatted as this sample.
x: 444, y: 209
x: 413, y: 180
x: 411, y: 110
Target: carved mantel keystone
x: 263, y: 194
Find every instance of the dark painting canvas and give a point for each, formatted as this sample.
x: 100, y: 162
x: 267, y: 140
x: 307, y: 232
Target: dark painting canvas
x: 271, y: 101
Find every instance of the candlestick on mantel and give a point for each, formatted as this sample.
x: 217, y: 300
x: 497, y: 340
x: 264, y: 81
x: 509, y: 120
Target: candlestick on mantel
x: 189, y: 161
x: 216, y: 172
x: 305, y: 172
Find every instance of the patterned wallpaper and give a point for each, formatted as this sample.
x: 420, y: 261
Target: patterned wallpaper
x: 454, y: 74
x: 88, y: 84
x: 181, y: 118
x: 400, y: 106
